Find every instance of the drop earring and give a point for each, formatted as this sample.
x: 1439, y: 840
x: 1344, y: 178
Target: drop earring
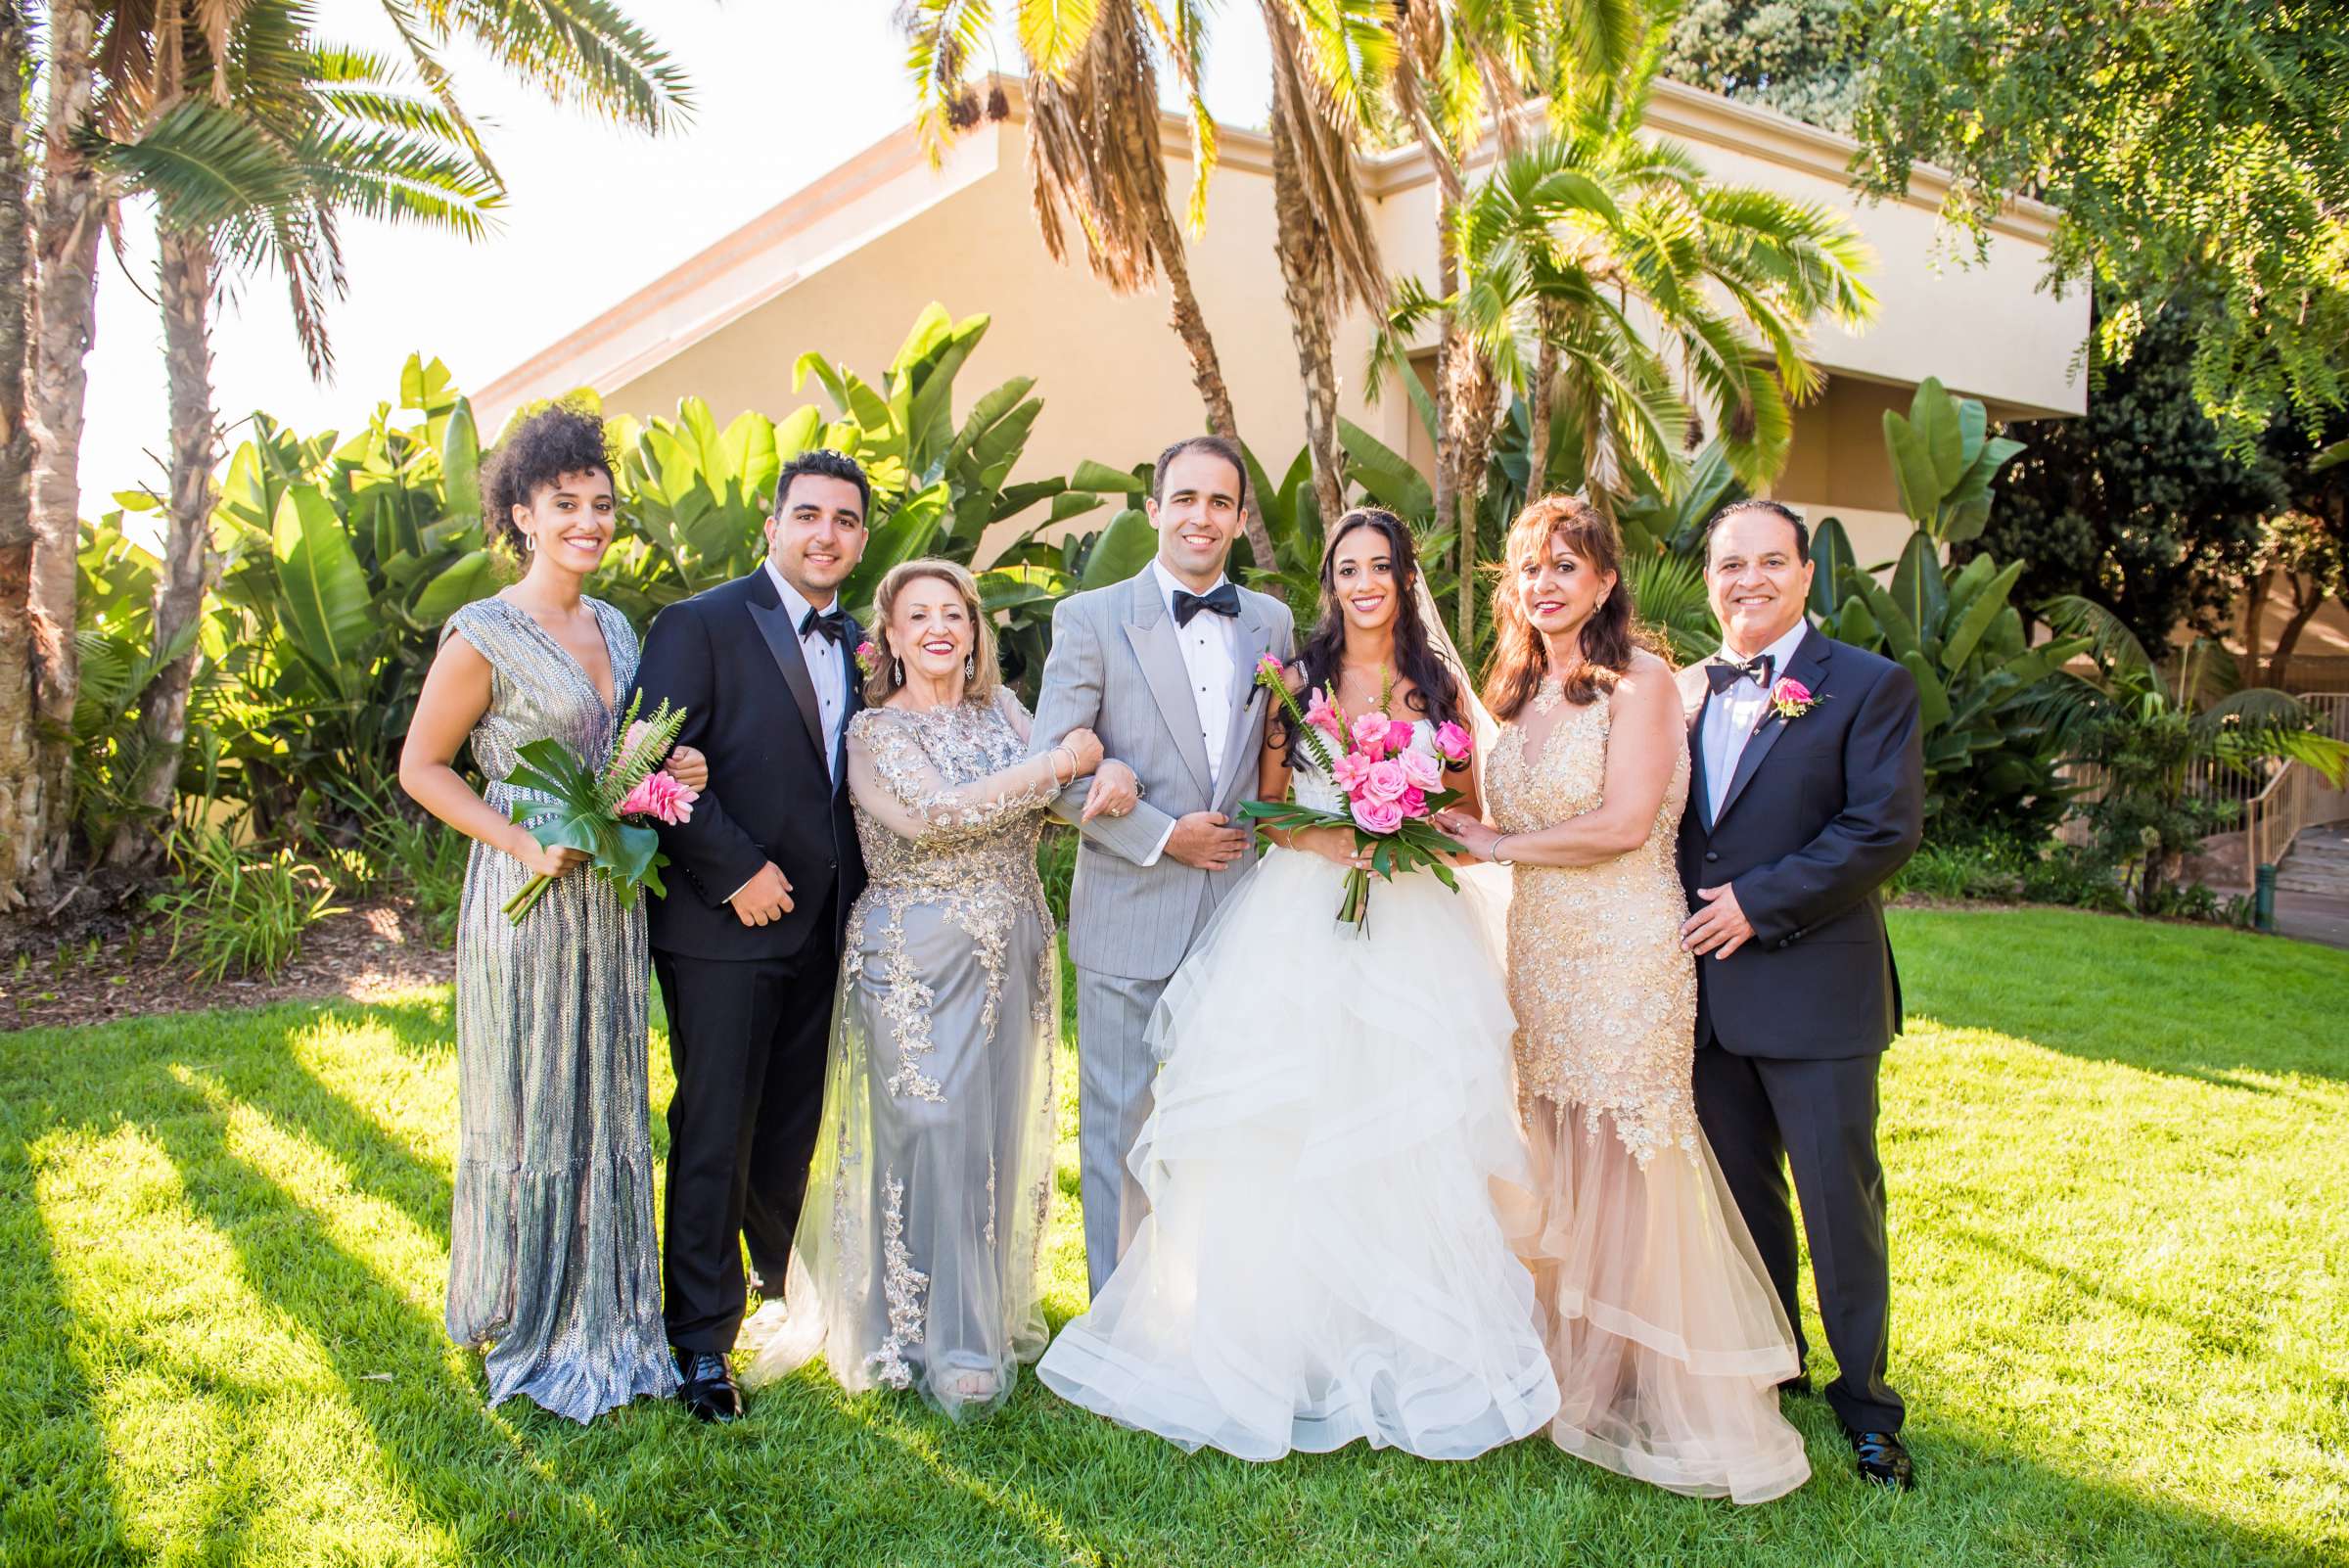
x: 970, y: 665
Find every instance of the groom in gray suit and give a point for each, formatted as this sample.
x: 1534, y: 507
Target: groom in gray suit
x: 1162, y: 667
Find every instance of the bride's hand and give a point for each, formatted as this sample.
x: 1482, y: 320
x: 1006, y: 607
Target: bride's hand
x: 1333, y: 843
x: 1471, y: 834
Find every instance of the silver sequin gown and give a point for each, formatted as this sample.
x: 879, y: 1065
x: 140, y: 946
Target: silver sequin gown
x: 554, y: 1267
x: 915, y: 1263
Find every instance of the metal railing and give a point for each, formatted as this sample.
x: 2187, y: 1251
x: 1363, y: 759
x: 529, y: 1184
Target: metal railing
x: 2296, y: 797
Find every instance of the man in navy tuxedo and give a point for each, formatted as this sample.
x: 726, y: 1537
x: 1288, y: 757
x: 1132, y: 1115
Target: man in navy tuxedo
x: 1807, y: 794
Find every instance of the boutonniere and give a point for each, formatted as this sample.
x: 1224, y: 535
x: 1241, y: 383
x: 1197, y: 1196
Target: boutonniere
x: 868, y: 658
x: 1791, y: 699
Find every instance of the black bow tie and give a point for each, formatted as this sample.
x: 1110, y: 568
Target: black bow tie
x: 832, y: 623
x: 1723, y: 673
x: 1223, y: 600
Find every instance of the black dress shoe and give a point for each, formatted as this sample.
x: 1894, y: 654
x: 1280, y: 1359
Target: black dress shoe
x: 706, y: 1384
x: 1883, y: 1461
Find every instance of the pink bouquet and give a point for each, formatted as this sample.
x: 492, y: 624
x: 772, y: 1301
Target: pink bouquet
x: 1393, y: 780
x: 572, y: 808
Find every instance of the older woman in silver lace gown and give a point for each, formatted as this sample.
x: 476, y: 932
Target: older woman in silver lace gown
x: 916, y: 1262
x: 554, y: 1269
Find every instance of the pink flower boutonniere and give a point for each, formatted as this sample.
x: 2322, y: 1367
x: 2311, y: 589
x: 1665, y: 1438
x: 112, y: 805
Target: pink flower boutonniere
x: 868, y: 658
x: 1791, y: 699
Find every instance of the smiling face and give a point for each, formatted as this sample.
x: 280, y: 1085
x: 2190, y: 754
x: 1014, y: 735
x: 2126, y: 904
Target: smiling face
x: 1198, y: 515
x: 1758, y: 580
x: 1364, y: 580
x: 569, y: 522
x: 1556, y: 588
x: 817, y: 536
x: 930, y: 627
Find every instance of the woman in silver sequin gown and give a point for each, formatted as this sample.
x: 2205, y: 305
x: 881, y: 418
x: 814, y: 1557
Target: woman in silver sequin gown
x: 554, y: 1267
x: 916, y: 1262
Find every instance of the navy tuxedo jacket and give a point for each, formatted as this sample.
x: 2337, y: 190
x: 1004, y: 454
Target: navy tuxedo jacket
x: 1820, y: 813
x: 730, y: 656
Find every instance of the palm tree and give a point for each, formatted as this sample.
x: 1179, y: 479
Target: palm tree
x: 152, y: 84
x: 19, y: 756
x: 1456, y: 74
x: 1093, y: 147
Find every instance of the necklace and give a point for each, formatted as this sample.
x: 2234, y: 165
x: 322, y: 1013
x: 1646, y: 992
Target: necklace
x: 1546, y: 696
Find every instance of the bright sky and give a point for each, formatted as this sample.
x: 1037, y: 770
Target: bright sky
x: 786, y: 89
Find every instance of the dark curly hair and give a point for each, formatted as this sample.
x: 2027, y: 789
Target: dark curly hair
x: 537, y: 451
x: 1435, y: 693
x: 829, y: 464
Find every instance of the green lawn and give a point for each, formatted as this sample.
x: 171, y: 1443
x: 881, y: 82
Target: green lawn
x: 2121, y: 1302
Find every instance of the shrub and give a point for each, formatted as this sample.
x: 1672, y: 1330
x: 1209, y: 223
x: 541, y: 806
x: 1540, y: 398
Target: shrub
x: 424, y: 863
x: 239, y: 911
x: 1056, y: 866
x: 1987, y: 870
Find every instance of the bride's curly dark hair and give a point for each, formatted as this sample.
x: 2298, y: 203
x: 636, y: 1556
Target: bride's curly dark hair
x: 1435, y: 693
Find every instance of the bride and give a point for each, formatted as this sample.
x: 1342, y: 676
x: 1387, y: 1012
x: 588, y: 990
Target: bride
x: 1325, y: 1256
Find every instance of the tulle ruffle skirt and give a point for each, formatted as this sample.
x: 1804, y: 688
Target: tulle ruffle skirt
x: 1667, y: 1339
x: 1331, y: 1149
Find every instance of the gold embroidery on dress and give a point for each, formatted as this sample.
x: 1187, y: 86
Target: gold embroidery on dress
x: 1605, y: 995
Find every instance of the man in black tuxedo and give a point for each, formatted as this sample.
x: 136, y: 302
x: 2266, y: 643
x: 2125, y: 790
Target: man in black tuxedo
x: 1799, y: 812
x: 747, y: 945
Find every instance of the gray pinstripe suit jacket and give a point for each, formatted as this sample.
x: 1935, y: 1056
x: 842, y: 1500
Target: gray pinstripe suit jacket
x: 1116, y: 667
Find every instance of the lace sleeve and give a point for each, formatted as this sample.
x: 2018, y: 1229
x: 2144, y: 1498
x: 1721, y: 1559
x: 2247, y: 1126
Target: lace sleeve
x: 897, y: 785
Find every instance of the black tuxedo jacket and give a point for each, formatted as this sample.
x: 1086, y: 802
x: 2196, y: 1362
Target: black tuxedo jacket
x: 730, y: 658
x: 1821, y: 810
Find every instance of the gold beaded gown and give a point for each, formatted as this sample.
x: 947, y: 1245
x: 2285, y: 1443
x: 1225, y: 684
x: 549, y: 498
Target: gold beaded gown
x: 1666, y: 1337
x: 915, y: 1261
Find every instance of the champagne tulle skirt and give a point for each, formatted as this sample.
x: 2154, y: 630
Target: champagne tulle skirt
x: 1333, y: 1143
x: 1667, y: 1339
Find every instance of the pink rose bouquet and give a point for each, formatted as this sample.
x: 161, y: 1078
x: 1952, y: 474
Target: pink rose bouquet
x: 571, y: 807
x: 1392, y: 777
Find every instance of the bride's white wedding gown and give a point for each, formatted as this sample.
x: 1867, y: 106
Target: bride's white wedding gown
x: 1332, y: 1145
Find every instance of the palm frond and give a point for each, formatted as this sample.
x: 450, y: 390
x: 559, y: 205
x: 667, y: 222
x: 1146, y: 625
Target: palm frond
x: 2112, y: 645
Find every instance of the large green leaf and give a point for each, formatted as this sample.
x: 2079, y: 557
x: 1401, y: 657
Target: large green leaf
x: 1911, y: 469
x: 323, y: 603
x: 1984, y: 608
x: 1933, y: 418
x: 1124, y: 549
x: 1385, y: 475
x: 461, y: 463
x: 1832, y: 567
x: 1933, y: 696
x: 472, y: 576
x: 1917, y: 586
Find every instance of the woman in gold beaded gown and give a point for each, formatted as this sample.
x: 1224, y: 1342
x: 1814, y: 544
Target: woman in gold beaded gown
x: 1667, y: 1339
x: 915, y: 1261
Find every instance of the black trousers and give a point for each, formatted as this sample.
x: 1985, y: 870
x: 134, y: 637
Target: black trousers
x: 748, y: 1040
x: 1767, y: 1116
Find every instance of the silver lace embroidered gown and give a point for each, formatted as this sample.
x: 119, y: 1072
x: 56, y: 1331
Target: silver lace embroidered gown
x: 916, y: 1262
x: 554, y: 1269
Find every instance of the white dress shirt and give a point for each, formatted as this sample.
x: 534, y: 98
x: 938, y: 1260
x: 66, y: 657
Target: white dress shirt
x: 827, y: 670
x: 827, y: 667
x: 1733, y: 716
x: 1209, y: 647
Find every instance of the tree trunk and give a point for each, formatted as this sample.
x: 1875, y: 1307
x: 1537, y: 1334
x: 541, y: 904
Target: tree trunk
x: 65, y: 293
x: 1206, y: 372
x: 186, y: 275
x: 2255, y: 611
x: 1309, y: 285
x: 2308, y: 597
x: 1545, y: 378
x: 22, y: 863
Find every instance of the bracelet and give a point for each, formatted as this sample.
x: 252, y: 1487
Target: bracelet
x: 1056, y: 761
x: 1496, y: 857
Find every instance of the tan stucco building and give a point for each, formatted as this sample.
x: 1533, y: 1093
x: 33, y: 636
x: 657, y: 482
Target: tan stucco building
x: 845, y: 266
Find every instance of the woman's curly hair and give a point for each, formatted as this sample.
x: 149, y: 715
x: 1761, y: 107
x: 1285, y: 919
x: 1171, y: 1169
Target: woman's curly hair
x: 537, y: 451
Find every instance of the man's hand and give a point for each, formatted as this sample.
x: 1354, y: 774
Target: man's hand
x: 767, y: 899
x: 1203, y: 842
x: 1114, y: 793
x: 1720, y: 928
